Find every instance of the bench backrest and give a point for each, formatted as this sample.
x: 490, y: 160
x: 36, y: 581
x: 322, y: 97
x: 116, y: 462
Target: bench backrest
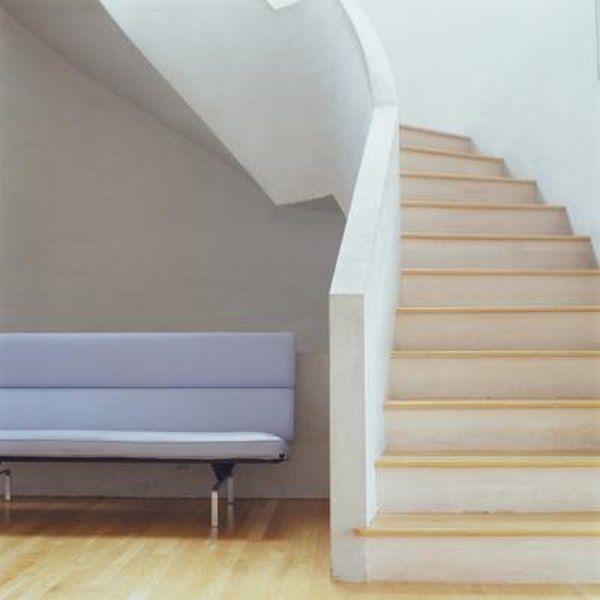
x: 148, y: 381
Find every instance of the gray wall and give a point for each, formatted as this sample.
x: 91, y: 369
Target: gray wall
x: 111, y: 221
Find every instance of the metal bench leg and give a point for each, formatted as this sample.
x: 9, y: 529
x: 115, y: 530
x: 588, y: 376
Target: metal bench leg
x: 223, y: 472
x: 7, y: 483
x: 214, y: 507
x: 230, y: 490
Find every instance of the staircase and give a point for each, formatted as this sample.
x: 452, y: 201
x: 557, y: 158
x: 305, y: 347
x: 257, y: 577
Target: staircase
x: 491, y: 471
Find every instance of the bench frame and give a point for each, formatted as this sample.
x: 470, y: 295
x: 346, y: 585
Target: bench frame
x: 222, y: 469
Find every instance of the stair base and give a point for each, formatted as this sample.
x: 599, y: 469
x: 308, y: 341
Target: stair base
x: 484, y: 548
x: 484, y: 560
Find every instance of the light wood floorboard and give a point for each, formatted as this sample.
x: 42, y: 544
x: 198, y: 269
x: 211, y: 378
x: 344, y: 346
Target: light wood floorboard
x: 84, y: 549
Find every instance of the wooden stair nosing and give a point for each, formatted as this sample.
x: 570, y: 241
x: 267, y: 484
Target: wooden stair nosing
x: 503, y: 272
x: 483, y: 525
x: 466, y: 354
x: 495, y: 237
x: 466, y: 177
x: 428, y: 131
x: 492, y: 404
x: 523, y: 206
x: 443, y: 310
x: 449, y: 153
x: 489, y: 460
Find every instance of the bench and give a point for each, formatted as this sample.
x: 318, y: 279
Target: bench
x: 220, y: 398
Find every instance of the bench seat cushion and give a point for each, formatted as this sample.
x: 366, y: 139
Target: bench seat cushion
x: 141, y: 445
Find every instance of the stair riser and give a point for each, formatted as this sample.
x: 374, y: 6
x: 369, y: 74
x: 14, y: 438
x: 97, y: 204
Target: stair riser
x: 505, y: 254
x: 500, y: 331
x: 493, y: 377
x: 423, y: 139
x: 464, y: 190
x: 500, y: 290
x: 500, y: 429
x: 485, y: 559
x: 515, y: 222
x: 439, y: 163
x: 473, y: 489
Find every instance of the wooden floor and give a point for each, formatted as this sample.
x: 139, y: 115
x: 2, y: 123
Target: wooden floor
x: 162, y: 549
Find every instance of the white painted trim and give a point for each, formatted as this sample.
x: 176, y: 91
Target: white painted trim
x: 363, y: 297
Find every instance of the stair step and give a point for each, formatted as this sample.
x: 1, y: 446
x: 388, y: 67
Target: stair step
x: 495, y: 353
x: 467, y: 188
x: 492, y: 429
x: 415, y: 158
x: 555, y: 547
x: 492, y: 403
x: 489, y: 460
x: 428, y: 250
x: 508, y: 425
x: 560, y: 524
x: 502, y: 328
x: 479, y: 481
x: 495, y: 373
x: 437, y: 140
x: 490, y: 237
x: 485, y: 218
x: 500, y: 287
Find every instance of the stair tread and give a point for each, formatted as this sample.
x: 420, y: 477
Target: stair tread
x: 523, y: 206
x: 491, y: 403
x: 495, y: 309
x: 449, y: 153
x: 523, y: 272
x: 434, y: 132
x: 490, y: 459
x: 495, y: 237
x: 466, y: 176
x: 483, y: 524
x: 495, y: 353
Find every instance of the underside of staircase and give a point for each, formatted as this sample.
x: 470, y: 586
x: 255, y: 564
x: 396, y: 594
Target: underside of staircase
x: 491, y: 469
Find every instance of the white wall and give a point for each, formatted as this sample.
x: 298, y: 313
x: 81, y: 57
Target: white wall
x: 286, y: 91
x: 520, y: 76
x: 111, y: 221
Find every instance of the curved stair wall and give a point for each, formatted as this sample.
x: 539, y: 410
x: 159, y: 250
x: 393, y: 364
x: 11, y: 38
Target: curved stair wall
x: 286, y: 91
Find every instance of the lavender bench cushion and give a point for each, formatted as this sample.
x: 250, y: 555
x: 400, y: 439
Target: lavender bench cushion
x: 200, y: 390
x: 149, y: 360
